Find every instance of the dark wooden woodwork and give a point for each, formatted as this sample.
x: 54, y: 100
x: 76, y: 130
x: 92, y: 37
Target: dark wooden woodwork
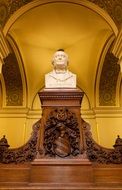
x: 61, y: 171
x: 61, y: 150
x: 109, y: 174
x: 14, y: 174
x: 61, y: 132
x: 70, y: 137
x: 25, y: 153
x: 19, y: 176
x: 99, y: 154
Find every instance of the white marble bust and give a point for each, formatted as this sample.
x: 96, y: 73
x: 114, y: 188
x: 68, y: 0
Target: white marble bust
x: 60, y: 77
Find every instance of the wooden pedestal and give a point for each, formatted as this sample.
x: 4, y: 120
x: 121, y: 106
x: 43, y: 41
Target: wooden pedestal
x: 52, y: 101
x: 61, y: 172
x: 70, y: 169
x: 61, y: 157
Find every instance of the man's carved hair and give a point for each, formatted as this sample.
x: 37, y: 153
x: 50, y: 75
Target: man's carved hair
x: 66, y: 55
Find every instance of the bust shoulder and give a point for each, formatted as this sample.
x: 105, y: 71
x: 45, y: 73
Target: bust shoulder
x: 60, y: 80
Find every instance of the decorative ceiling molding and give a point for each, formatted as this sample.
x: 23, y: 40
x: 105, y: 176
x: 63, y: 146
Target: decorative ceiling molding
x: 4, y: 49
x: 112, y: 7
x: 4, y: 12
x: 117, y: 46
x: 18, y: 59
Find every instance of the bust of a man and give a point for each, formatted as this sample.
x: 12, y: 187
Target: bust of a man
x: 60, y: 77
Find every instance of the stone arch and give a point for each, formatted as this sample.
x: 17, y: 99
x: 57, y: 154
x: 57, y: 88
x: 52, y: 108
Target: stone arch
x: 107, y: 77
x: 16, y: 9
x: 20, y: 7
x: 112, y: 7
x: 14, y: 78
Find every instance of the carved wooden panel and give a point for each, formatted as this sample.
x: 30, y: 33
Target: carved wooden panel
x: 26, y: 153
x: 99, y: 154
x: 62, y: 135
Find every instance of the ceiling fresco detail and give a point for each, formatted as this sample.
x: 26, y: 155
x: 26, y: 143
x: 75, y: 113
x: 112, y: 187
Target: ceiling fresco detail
x: 3, y: 13
x: 113, y: 8
x: 13, y: 82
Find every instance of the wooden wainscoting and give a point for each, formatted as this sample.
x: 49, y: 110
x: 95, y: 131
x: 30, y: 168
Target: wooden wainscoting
x: 108, y: 174
x: 18, y: 176
x: 14, y: 174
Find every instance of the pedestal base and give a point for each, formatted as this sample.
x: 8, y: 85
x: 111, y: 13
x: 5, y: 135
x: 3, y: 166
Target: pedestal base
x: 58, y: 171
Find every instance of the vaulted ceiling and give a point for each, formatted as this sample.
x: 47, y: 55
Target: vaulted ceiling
x: 86, y: 30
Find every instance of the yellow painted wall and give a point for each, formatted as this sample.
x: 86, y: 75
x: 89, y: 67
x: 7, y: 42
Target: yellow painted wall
x: 104, y: 130
x: 13, y: 128
x: 82, y: 32
x: 105, y: 125
x: 108, y: 129
x: 17, y: 130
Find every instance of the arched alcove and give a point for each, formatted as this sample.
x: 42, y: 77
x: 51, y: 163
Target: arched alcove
x: 38, y: 29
